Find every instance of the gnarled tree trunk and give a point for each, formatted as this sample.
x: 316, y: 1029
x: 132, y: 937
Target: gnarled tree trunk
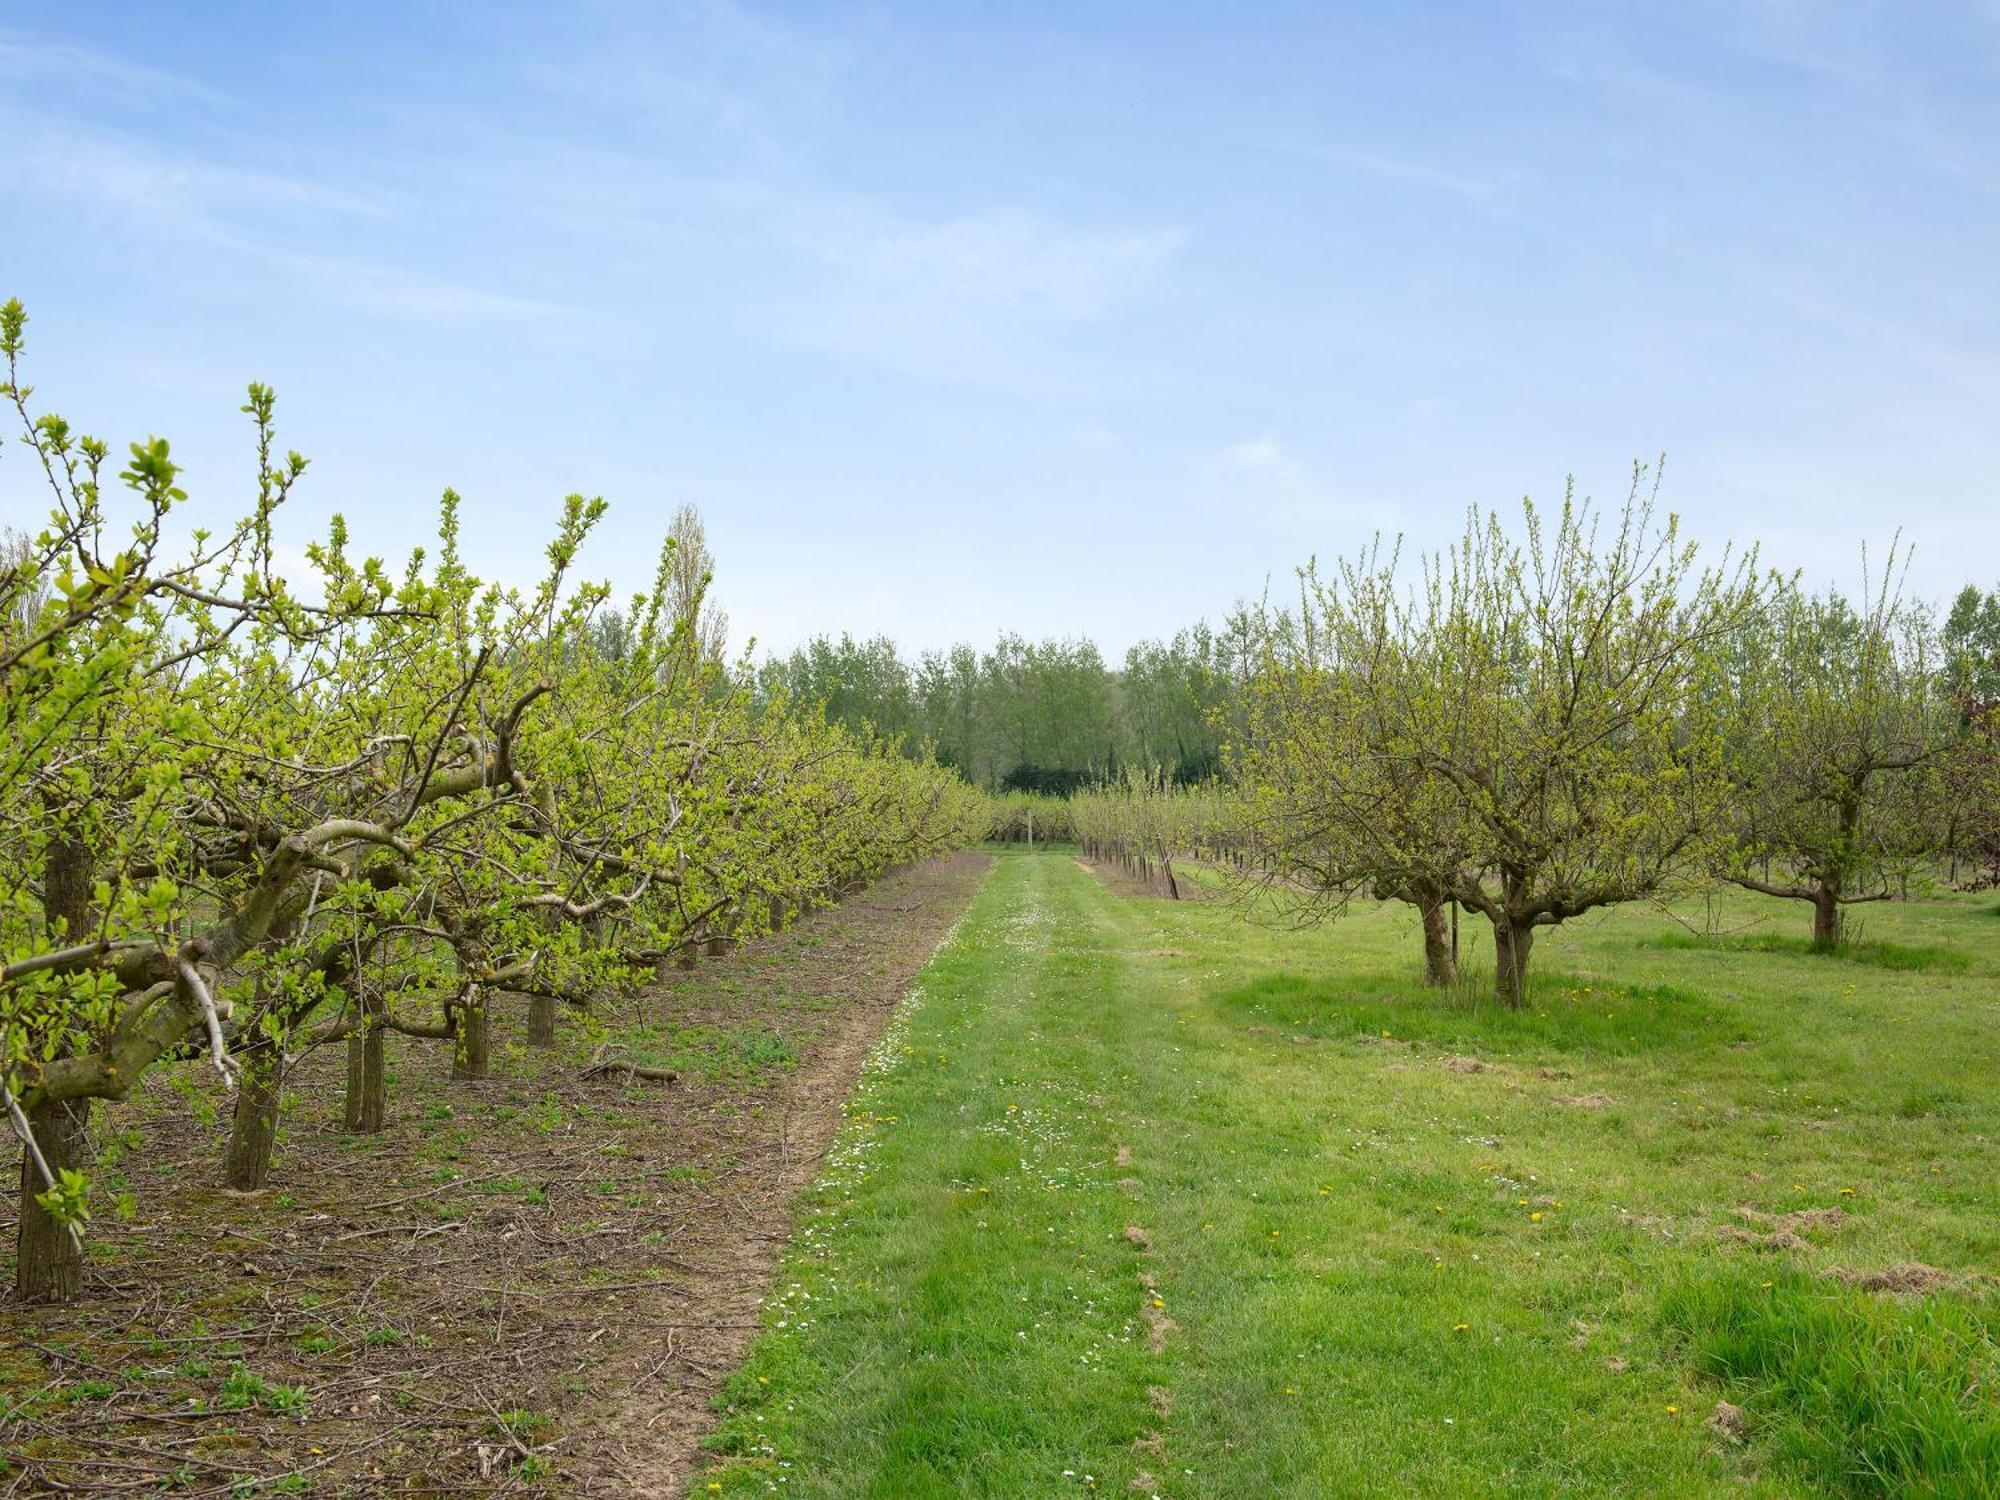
x: 470, y: 1057
x: 48, y: 1264
x: 365, y: 1109
x: 1440, y: 964
x: 1512, y: 943
x: 246, y: 1164
x: 1826, y: 915
x: 542, y: 1020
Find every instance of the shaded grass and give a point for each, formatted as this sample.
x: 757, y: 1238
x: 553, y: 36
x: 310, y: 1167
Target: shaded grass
x: 1882, y: 955
x: 1563, y: 1015
x: 1869, y: 1396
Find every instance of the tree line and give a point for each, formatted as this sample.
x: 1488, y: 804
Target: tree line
x: 244, y: 816
x: 1046, y: 716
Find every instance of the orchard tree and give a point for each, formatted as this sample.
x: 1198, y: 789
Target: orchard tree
x: 1566, y: 687
x: 101, y: 630
x: 1536, y: 726
x: 234, y: 825
x: 1969, y: 777
x: 1841, y: 724
x: 1333, y: 798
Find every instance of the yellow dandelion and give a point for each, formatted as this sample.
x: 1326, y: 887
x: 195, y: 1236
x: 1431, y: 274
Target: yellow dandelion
x: 1534, y: 1218
x: 1672, y: 1410
x: 1460, y: 1327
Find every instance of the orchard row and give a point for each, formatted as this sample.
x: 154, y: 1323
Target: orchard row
x: 243, y: 815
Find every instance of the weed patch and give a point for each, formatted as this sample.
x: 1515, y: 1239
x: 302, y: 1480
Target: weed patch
x: 1867, y: 1395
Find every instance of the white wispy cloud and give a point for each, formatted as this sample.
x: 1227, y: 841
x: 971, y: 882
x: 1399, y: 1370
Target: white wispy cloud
x: 402, y: 293
x: 1018, y: 259
x: 1002, y: 298
x: 1268, y: 481
x: 158, y: 192
x: 743, y: 73
x: 31, y: 58
x: 130, y: 192
x: 1408, y: 172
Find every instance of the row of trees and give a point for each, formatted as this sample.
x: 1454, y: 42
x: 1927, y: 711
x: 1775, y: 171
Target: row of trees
x: 241, y: 819
x: 1144, y: 822
x: 1577, y: 712
x: 1047, y: 716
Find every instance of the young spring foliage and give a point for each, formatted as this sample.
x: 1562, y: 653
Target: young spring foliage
x: 1843, y: 722
x: 241, y: 823
x: 1535, y: 729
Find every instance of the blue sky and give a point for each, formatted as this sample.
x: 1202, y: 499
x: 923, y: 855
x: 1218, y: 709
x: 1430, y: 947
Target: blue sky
x: 1076, y: 318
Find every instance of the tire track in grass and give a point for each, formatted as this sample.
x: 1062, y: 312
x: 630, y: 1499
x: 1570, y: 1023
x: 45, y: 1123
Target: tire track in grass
x: 963, y: 1311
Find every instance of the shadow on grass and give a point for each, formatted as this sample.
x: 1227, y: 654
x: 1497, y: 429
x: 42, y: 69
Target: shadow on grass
x: 1880, y: 955
x: 1562, y: 1015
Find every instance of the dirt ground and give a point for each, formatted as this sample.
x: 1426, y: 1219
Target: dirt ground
x: 532, y: 1284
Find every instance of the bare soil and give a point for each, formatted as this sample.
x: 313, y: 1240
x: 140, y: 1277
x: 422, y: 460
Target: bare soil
x: 532, y: 1284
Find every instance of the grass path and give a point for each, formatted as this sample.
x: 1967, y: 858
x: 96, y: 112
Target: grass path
x: 1130, y: 1202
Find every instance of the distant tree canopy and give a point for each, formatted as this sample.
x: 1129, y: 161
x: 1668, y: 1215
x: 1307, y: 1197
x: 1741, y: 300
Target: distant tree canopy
x: 1044, y: 716
x: 1969, y: 641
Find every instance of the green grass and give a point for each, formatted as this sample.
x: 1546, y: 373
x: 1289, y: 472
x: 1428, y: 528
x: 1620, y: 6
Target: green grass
x: 1859, y: 950
x: 714, y: 1052
x: 1408, y: 1244
x: 1869, y: 1396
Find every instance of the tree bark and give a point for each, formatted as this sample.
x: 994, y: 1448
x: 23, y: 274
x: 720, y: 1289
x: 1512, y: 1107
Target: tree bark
x: 1440, y: 963
x: 365, y: 1109
x: 1826, y: 916
x: 67, y: 877
x: 48, y: 1265
x: 372, y: 1111
x: 542, y: 1020
x: 470, y: 1057
x: 1512, y: 943
x: 246, y: 1165
x: 350, y: 1099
